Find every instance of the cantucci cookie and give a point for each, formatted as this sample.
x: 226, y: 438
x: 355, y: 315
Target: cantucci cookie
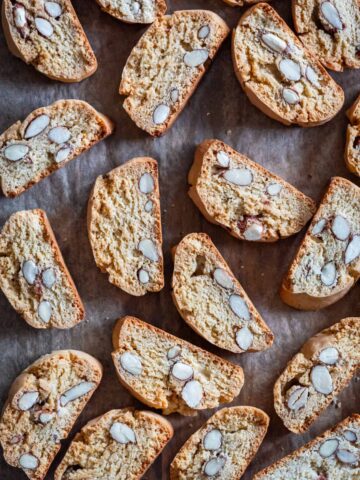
x: 212, y: 301
x: 46, y: 140
x: 330, y: 30
x: 240, y: 195
x: 42, y: 407
x: 223, y: 447
x: 166, y: 65
x: 317, y: 374
x: 166, y: 372
x: 334, y: 455
x: 33, y: 274
x: 134, y: 11
x: 124, y: 225
x: 327, y: 263
x: 352, y: 149
x: 241, y: 3
x: 119, y: 445
x: 49, y: 36
x: 278, y: 74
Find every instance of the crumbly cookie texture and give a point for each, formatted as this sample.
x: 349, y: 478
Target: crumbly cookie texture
x: 166, y: 65
x: 247, y: 200
x: 46, y: 140
x: 212, y: 301
x: 278, y: 74
x: 33, y: 274
x: 352, y: 149
x: 327, y: 263
x: 317, y: 374
x: 168, y: 373
x: 242, y: 3
x: 334, y: 455
x: 330, y: 30
x: 42, y: 407
x: 119, y: 445
x: 124, y: 226
x: 49, y: 36
x: 134, y: 11
x: 223, y: 447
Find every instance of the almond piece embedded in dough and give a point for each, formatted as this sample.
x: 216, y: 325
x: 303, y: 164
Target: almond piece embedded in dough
x: 131, y: 363
x: 321, y: 379
x: 122, y: 433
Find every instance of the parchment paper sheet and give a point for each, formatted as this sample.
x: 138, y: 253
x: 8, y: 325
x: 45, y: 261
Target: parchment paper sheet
x: 218, y: 109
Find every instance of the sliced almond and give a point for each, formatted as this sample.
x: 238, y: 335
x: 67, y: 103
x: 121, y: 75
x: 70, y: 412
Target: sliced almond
x: 135, y: 7
x: 298, y: 398
x: 331, y: 15
x: 146, y: 183
x: 148, y: 249
x: 329, y: 355
x: 192, y: 393
x: 131, y: 363
x: 321, y: 379
x: 46, y: 417
x: 223, y: 159
x: 213, y: 440
x: 329, y: 447
x: 30, y: 271
x: 350, y: 436
x: 182, y: 371
x: 253, y: 232
x: 27, y: 461
x: 290, y: 96
x: 19, y: 15
x: 45, y: 311
x: 174, y: 352
x: 203, y: 32
x: 37, y: 126
x: 16, y: 151
x: 28, y: 400
x: 222, y: 278
x: 312, y: 76
x: 213, y: 466
x: 174, y: 95
x: 44, y: 27
x: 241, y: 177
x: 352, y: 251
x: 289, y: 69
x: 59, y: 135
x: 78, y: 391
x: 274, y: 189
x: 48, y: 277
x: 328, y: 274
x: 195, y: 58
x: 143, y: 276
x: 319, y: 226
x: 161, y: 113
x: 340, y: 227
x: 239, y: 306
x: 273, y: 42
x: 345, y: 456
x: 62, y: 154
x: 53, y: 9
x: 122, y: 433
x: 148, y: 206
x: 244, y: 338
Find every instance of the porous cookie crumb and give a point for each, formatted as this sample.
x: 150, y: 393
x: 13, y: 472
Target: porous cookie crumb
x: 119, y: 445
x: 134, y: 11
x: 317, y: 374
x: 124, y: 225
x: 212, y: 301
x: 49, y: 36
x: 352, y: 149
x: 168, y: 373
x: 43, y: 405
x: 33, y: 275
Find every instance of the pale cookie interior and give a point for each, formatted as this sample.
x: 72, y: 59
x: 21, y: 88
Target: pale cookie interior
x: 134, y: 11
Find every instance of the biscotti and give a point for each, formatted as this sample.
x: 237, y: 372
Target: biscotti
x: 42, y: 407
x: 49, y: 36
x: 166, y: 65
x: 352, y: 149
x: 334, y: 455
x: 46, y: 140
x: 223, y: 447
x: 278, y: 74
x: 241, y: 3
x: 241, y: 196
x: 317, y: 374
x: 33, y: 274
x: 212, y: 301
x: 327, y: 263
x: 119, y: 445
x: 165, y: 372
x: 124, y: 226
x: 134, y: 11
x: 330, y: 30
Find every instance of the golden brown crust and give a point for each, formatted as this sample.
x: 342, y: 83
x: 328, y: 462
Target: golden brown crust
x: 352, y: 148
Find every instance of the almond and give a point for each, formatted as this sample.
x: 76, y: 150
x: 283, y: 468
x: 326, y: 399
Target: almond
x: 352, y: 251
x: 148, y: 206
x: 345, y: 456
x: 203, y: 32
x: 30, y: 271
x: 148, y: 249
x: 143, y: 276
x: 135, y: 7
x: 223, y: 279
x: 146, y: 183
x: 340, y: 227
x: 78, y: 391
x: 273, y: 42
x: 131, y: 363
x: 297, y: 398
x: 223, y: 159
x: 214, y: 465
x: 239, y: 307
x: 319, y: 226
x: 45, y: 311
x: 244, y: 338
x: 289, y: 69
x: 312, y: 76
x: 321, y: 379
x: 195, y: 58
x: 28, y: 461
x: 174, y: 95
x: 48, y: 277
x: 174, y: 352
x: 242, y: 177
x: 331, y: 15
x: 192, y: 393
x: 329, y: 355
x: 290, y: 96
x: 122, y: 433
x: 53, y: 9
x: 213, y: 440
x: 274, y: 189
x: 350, y: 436
x: 161, y: 114
x: 46, y: 417
x: 59, y: 135
x: 62, y: 154
x: 44, y: 27
x: 328, y: 447
x: 253, y: 232
x: 328, y: 274
x: 19, y: 16
x: 36, y: 126
x: 28, y: 400
x: 181, y: 371
x: 16, y: 151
